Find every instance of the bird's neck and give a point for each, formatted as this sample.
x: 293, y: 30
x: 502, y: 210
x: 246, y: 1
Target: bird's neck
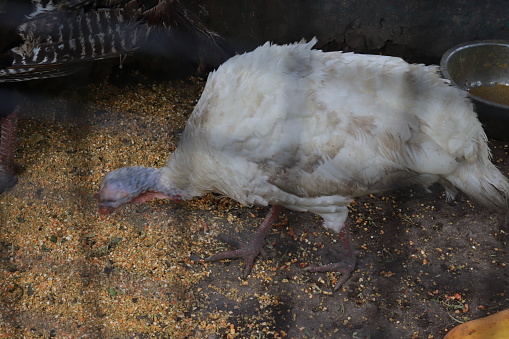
x: 148, y: 179
x: 175, y: 178
x: 167, y: 182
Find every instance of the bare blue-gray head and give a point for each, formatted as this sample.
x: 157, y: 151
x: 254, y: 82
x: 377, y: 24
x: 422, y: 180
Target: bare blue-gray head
x: 129, y: 185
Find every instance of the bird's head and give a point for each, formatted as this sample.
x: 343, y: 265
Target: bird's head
x: 112, y: 195
x: 129, y: 185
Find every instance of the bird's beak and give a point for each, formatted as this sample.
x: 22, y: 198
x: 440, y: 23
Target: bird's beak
x: 103, y: 210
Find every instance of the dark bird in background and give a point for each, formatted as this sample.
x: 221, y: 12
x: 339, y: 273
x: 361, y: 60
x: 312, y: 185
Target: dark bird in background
x: 43, y: 39
x: 310, y: 131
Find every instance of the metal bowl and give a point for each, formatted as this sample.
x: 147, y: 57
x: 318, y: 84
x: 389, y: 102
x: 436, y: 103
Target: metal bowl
x: 484, y: 62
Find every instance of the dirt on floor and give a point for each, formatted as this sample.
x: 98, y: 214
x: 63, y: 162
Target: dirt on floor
x: 424, y: 265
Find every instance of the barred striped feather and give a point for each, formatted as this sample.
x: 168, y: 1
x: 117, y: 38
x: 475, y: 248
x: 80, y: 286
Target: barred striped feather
x: 89, y: 36
x: 59, y: 35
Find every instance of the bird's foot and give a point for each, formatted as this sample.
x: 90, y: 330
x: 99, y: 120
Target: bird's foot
x: 248, y: 251
x: 345, y: 266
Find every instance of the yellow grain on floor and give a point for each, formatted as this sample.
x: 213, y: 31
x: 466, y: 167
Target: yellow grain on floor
x: 68, y: 273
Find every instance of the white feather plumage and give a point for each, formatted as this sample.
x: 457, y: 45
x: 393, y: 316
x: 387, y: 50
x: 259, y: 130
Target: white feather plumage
x: 311, y: 130
x: 308, y: 130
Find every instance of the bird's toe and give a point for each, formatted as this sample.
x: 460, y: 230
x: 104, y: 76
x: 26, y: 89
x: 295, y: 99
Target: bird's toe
x: 345, y: 266
x: 247, y: 251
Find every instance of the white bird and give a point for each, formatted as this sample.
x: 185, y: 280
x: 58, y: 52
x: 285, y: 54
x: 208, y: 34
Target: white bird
x: 310, y: 131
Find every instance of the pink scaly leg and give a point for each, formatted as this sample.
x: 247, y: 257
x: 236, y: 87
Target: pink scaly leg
x: 348, y: 258
x: 248, y: 251
x: 7, y: 148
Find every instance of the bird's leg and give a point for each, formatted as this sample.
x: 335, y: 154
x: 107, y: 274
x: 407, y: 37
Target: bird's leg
x: 7, y: 148
x: 348, y: 258
x: 248, y: 251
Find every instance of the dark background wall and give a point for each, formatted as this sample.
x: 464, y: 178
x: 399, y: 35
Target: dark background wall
x: 417, y: 30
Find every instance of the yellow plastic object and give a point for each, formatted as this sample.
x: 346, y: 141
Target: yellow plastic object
x: 495, y: 326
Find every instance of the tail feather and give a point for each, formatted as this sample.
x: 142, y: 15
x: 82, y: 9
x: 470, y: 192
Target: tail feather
x: 484, y: 183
